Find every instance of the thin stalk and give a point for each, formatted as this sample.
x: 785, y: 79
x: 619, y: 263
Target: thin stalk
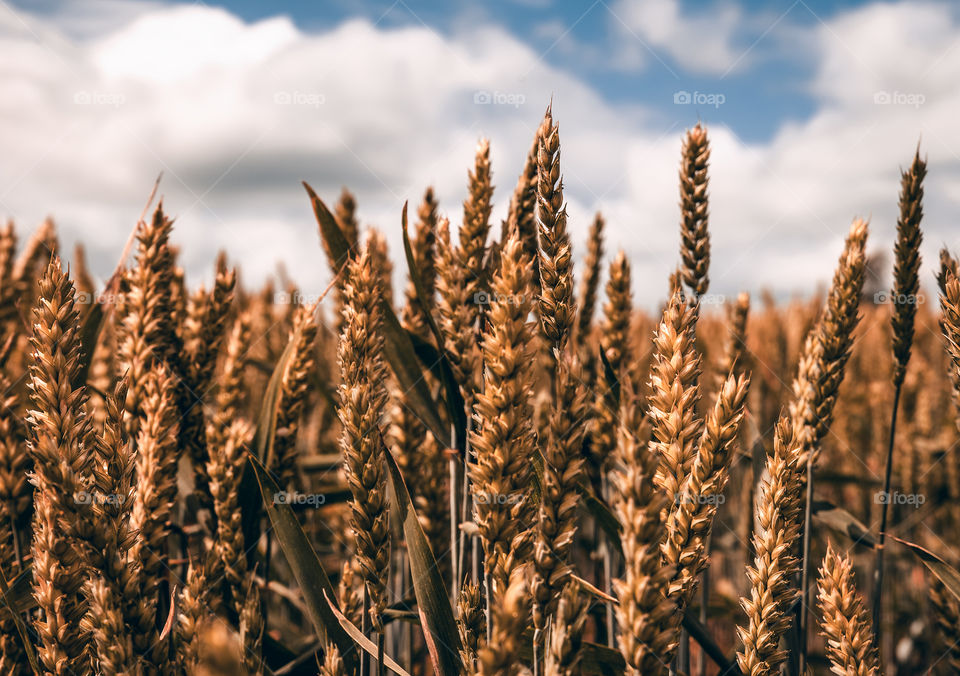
x: 464, y: 511
x: 802, y: 615
x: 607, y: 568
x: 683, y: 653
x: 885, y: 505
x: 704, y: 602
x: 380, y: 642
x: 454, y: 559
x: 536, y: 651
x: 363, y: 629
x: 486, y: 611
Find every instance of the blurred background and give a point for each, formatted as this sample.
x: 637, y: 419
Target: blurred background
x: 813, y: 108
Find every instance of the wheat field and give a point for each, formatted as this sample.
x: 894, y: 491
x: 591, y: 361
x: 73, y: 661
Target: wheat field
x: 507, y: 469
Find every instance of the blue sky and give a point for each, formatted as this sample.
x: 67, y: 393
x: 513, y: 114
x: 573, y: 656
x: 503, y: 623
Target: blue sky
x: 812, y: 108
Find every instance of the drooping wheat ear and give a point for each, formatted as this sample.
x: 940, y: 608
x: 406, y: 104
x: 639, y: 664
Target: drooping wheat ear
x: 503, y: 436
x: 845, y: 622
x: 376, y: 243
x: 294, y: 391
x: 735, y: 357
x: 193, y: 618
x: 557, y: 307
x: 33, y: 260
x: 589, y: 286
x: 906, y: 265
x: 225, y: 469
x: 565, y: 635
x: 251, y: 629
x: 147, y: 332
x: 615, y: 343
x: 424, y: 246
x: 948, y: 266
x: 947, y: 616
x: 362, y: 396
x: 643, y: 613
x: 501, y: 654
x: 674, y: 395
x: 833, y: 338
x: 471, y: 624
x: 332, y: 663
x: 560, y: 490
x: 773, y: 590
x: 203, y: 334
x: 458, y: 311
x: 523, y: 208
x: 691, y: 518
x: 694, y: 236
x: 349, y: 595
x: 156, y: 491
x: 62, y: 446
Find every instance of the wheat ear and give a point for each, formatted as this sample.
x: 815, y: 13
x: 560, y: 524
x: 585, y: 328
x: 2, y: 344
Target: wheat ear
x: 615, y: 343
x: 644, y: 611
x: 62, y: 446
x: 362, y: 397
x: 694, y: 235
x: 503, y: 437
x: 845, y: 622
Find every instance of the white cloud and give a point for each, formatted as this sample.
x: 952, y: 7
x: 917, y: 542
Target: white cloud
x: 702, y: 41
x: 237, y: 114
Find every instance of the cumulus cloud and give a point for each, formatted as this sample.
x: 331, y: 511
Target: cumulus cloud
x: 236, y: 114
